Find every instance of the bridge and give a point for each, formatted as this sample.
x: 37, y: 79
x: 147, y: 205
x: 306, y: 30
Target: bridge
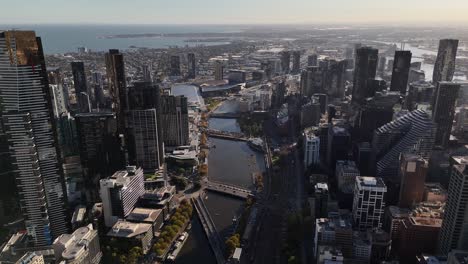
x: 232, y: 190
x: 226, y: 135
x: 210, y: 229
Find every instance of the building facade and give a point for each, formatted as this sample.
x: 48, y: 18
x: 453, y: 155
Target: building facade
x: 368, y: 203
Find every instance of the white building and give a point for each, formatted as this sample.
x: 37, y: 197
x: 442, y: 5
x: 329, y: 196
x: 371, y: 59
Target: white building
x: 311, y: 149
x: 80, y: 247
x: 368, y: 204
x: 120, y: 193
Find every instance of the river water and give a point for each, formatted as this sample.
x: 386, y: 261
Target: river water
x: 231, y: 162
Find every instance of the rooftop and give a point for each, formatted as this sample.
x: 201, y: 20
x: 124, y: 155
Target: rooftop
x: 424, y: 221
x: 128, y: 229
x: 365, y: 181
x: 76, y: 243
x: 144, y: 215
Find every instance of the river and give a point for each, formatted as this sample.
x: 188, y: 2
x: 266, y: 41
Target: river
x: 231, y: 162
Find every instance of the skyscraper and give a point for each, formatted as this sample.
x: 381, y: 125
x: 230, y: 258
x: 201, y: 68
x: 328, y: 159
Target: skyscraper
x: 82, y: 92
x: 191, y: 66
x: 285, y: 61
x: 100, y: 149
x: 145, y: 126
x: 444, y: 67
x: 30, y: 160
x: 368, y: 203
x: 419, y: 92
x: 311, y: 81
x: 413, y: 132
x: 219, y: 71
x: 117, y: 86
x: 400, y: 73
x: 175, y: 66
x: 413, y: 171
x: 364, y: 70
x: 312, y: 60
x: 443, y: 111
x: 174, y: 117
x: 454, y: 232
x: 296, y: 65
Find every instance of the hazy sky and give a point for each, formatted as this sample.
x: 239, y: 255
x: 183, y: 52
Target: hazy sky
x: 233, y: 11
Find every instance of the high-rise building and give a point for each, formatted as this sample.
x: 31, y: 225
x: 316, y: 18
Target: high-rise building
x: 285, y: 61
x: 117, y: 86
x: 419, y: 92
x: 400, y: 73
x: 454, y: 232
x: 368, y: 203
x: 175, y: 66
x: 145, y: 137
x: 120, y: 193
x: 100, y: 149
x: 296, y: 65
x: 382, y: 65
x: 30, y: 161
x: 364, y: 70
x: 418, y: 235
x: 413, y: 171
x: 444, y: 67
x: 312, y: 60
x: 191, y: 66
x: 339, y: 142
x: 334, y: 230
x: 443, y: 111
x: 346, y: 173
x: 219, y: 71
x: 311, y: 149
x: 81, y: 247
x: 334, y: 78
x: 174, y: 118
x: 413, y: 132
x: 321, y: 199
x: 311, y: 81
x: 146, y: 72
x: 82, y: 92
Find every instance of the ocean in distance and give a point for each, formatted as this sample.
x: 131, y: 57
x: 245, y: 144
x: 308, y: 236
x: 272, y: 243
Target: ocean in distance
x: 67, y: 38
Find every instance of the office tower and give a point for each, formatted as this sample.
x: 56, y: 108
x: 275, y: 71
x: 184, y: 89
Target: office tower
x: 393, y: 224
x: 368, y: 203
x: 413, y: 171
x: 120, y: 193
x: 339, y: 141
x: 117, y: 86
x: 29, y: 156
x: 237, y: 76
x: 321, y: 199
x: 99, y: 99
x: 311, y: 81
x: 418, y: 235
x: 400, y: 73
x: 312, y: 60
x: 191, y: 66
x: 413, y: 132
x: 175, y: 65
x: 82, y: 246
x: 322, y: 99
x: 67, y: 135
x: 346, y: 173
x: 146, y: 72
x: 219, y: 71
x: 419, y: 92
x: 335, y: 230
x: 381, y: 245
x: 82, y: 92
x: 443, y: 111
x: 279, y: 93
x: 296, y: 68
x: 100, y: 149
x: 374, y: 113
x: 285, y: 61
x: 454, y: 232
x: 362, y: 154
x: 146, y: 148
x: 364, y: 70
x: 310, y: 114
x: 174, y: 118
x: 58, y: 100
x: 444, y: 67
x: 382, y: 64
x: 334, y: 83
x: 311, y: 148
x: 416, y: 76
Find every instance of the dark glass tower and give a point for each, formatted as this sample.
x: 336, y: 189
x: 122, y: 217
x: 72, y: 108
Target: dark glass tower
x: 117, y: 86
x: 443, y: 111
x: 444, y: 67
x: 191, y: 66
x: 175, y: 66
x: 364, y: 71
x: 30, y: 161
x: 400, y: 73
x: 81, y: 88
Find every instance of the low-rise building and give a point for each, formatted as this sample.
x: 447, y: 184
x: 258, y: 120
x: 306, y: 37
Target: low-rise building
x: 155, y: 217
x: 80, y: 247
x: 133, y: 234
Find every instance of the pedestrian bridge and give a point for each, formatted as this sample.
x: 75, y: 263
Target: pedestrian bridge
x: 236, y: 191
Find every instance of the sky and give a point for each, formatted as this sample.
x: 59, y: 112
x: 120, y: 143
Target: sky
x: 234, y: 11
